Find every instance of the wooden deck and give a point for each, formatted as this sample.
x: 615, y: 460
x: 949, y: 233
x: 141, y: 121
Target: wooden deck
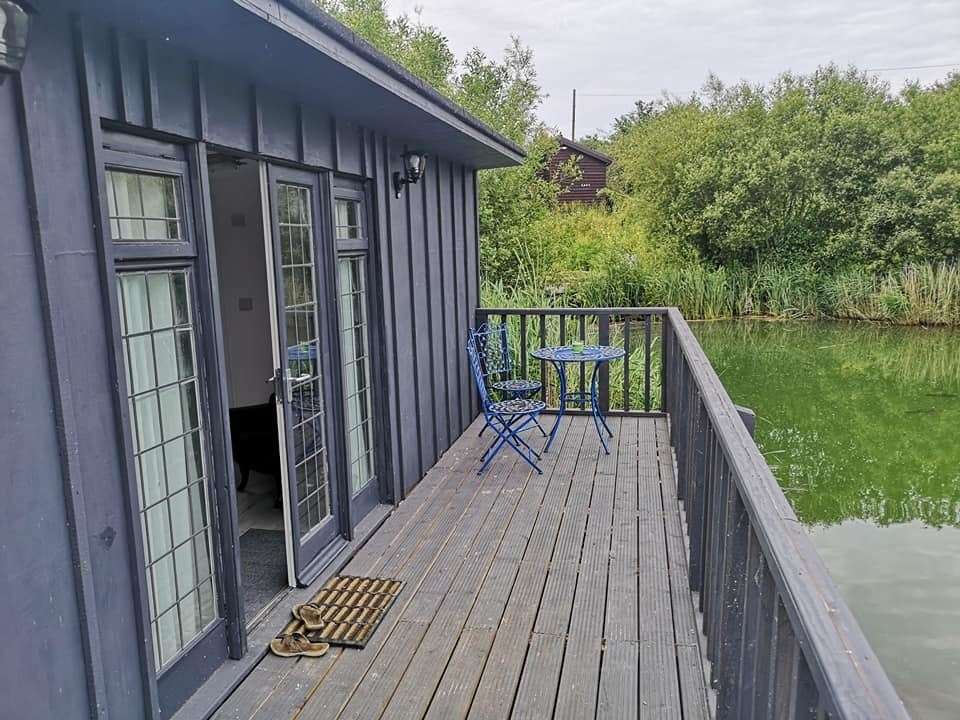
x: 530, y: 596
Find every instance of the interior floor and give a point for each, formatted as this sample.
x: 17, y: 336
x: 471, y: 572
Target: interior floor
x: 263, y: 564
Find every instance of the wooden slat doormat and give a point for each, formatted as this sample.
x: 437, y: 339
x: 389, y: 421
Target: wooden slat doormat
x: 347, y: 610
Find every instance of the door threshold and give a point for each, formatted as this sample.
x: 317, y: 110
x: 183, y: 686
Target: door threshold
x: 226, y: 678
x: 265, y: 611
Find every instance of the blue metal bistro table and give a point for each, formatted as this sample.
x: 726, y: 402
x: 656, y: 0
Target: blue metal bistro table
x: 559, y: 357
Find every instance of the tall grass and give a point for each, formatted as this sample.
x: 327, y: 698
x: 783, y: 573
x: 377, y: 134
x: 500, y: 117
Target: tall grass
x: 915, y: 295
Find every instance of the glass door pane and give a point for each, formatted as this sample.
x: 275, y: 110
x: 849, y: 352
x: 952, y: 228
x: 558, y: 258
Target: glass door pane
x: 159, y: 348
x: 307, y: 413
x: 355, y: 348
x: 302, y: 366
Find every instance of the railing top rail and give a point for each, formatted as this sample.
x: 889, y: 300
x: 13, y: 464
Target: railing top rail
x: 848, y: 674
x: 573, y: 312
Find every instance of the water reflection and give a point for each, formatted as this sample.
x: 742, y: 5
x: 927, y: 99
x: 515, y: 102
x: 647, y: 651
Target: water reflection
x: 860, y: 425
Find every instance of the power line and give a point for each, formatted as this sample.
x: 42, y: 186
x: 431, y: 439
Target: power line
x: 662, y: 92
x: 912, y: 67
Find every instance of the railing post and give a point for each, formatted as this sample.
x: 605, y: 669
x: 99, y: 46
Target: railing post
x: 603, y: 337
x: 667, y: 371
x: 647, y: 351
x: 480, y: 318
x: 749, y: 418
x: 626, y: 363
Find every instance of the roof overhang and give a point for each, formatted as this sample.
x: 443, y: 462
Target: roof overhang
x: 293, y: 47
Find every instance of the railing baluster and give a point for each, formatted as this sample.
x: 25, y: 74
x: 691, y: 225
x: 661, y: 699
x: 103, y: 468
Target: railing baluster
x: 787, y: 659
x: 603, y: 338
x: 709, y: 522
x: 583, y: 366
x: 731, y: 615
x: 647, y: 345
x: 806, y: 697
x: 626, y: 363
x: 523, y: 346
x: 696, y: 529
x: 543, y: 363
x: 667, y: 337
x: 748, y: 649
x: 711, y: 617
x: 765, y: 664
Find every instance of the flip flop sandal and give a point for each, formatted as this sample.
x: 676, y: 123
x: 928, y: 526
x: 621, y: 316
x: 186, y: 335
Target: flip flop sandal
x: 313, y: 616
x: 296, y: 644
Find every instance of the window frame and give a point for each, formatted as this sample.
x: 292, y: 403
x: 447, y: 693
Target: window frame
x: 379, y: 489
x: 187, y: 164
x: 186, y: 247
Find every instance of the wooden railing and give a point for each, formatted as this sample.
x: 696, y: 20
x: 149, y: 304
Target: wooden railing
x: 631, y: 387
x: 780, y: 639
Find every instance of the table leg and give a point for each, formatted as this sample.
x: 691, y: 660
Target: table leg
x: 597, y: 411
x: 562, y: 372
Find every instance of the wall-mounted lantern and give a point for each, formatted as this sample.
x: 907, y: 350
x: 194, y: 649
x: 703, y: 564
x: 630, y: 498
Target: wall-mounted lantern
x: 413, y: 166
x: 14, y: 35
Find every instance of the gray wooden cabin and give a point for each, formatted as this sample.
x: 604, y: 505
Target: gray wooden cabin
x: 237, y: 302
x: 147, y: 149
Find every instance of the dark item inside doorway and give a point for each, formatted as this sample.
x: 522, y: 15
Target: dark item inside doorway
x: 256, y: 444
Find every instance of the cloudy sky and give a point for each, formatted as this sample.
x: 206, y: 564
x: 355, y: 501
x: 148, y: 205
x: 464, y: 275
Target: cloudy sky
x: 633, y: 48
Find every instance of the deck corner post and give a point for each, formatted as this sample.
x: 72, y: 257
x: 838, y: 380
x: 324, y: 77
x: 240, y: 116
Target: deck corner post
x: 749, y: 418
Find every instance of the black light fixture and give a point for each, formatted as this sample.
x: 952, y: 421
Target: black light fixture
x: 414, y: 163
x: 14, y: 34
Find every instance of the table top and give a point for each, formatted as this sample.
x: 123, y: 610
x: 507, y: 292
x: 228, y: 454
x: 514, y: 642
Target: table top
x: 566, y: 353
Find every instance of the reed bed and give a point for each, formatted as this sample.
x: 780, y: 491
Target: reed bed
x: 926, y: 294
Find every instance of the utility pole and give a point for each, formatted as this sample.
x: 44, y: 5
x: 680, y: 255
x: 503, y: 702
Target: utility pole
x: 573, y: 117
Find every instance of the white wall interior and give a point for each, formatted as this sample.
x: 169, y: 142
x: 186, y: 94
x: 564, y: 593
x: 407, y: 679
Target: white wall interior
x: 242, y: 274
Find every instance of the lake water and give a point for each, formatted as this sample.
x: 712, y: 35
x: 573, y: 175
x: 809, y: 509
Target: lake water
x: 861, y: 426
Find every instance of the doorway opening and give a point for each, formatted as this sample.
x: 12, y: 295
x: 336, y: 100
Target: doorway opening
x: 238, y: 219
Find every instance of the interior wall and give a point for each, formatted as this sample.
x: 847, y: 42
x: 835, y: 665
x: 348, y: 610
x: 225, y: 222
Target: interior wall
x: 242, y: 275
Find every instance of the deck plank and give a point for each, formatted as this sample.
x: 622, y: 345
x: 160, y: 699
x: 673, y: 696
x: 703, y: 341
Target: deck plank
x: 338, y: 685
x: 689, y: 650
x: 528, y: 596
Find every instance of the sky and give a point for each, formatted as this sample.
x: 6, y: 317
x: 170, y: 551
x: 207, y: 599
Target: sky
x: 640, y: 49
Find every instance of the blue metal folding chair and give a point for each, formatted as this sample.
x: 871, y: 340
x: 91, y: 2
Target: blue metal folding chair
x: 507, y: 418
x: 496, y: 363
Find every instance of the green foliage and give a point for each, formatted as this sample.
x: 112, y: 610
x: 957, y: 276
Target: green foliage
x: 422, y: 49
x: 914, y: 295
x: 827, y: 169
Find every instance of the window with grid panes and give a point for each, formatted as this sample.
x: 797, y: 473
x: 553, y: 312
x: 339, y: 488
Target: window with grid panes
x: 355, y: 347
x: 159, y: 348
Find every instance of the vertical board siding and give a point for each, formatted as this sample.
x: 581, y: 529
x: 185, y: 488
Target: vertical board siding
x: 473, y: 261
x: 403, y: 324
x: 384, y: 253
x: 229, y: 103
x: 416, y: 237
x: 130, y: 66
x: 281, y: 130
x: 465, y: 319
x: 427, y: 254
x: 173, y: 74
x: 317, y: 138
x: 349, y: 147
x: 36, y: 552
x: 448, y: 292
x: 432, y: 250
x: 77, y: 314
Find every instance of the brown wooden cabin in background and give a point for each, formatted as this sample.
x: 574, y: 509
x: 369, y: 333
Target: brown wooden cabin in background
x: 593, y: 171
